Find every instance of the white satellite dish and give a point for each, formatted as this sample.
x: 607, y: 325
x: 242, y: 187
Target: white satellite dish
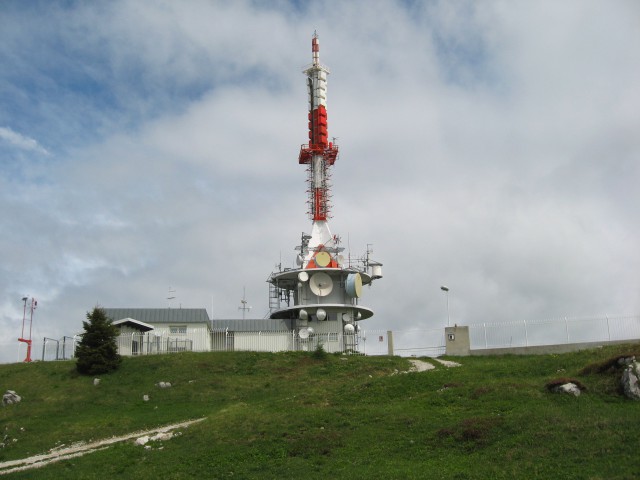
x: 321, y: 284
x: 303, y: 276
x: 304, y: 333
x: 349, y: 329
x: 302, y: 314
x: 321, y: 314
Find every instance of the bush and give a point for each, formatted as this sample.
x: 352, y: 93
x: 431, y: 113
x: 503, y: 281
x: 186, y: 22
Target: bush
x: 97, y: 352
x: 319, y: 353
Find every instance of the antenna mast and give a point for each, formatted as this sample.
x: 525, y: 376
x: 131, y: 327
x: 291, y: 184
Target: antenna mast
x: 33, y: 305
x: 244, y: 307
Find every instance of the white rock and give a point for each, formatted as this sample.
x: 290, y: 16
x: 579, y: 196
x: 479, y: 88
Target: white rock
x: 629, y: 381
x: 145, y: 398
x: 570, y: 388
x: 162, y: 436
x: 96, y: 381
x: 11, y: 398
x: 142, y: 440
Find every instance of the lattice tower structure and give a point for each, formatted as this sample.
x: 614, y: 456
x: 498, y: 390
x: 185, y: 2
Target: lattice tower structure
x: 319, y: 154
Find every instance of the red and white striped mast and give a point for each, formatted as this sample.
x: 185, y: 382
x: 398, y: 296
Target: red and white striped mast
x: 319, y: 154
x: 22, y: 338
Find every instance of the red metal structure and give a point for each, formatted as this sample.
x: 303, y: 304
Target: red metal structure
x: 28, y: 341
x: 319, y: 154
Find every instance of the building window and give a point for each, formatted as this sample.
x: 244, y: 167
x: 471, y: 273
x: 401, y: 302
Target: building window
x: 178, y: 329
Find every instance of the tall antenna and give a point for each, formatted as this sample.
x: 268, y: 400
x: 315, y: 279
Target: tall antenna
x: 319, y: 154
x: 32, y: 307
x: 244, y: 307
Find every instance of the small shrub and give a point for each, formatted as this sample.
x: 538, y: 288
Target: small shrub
x: 319, y: 353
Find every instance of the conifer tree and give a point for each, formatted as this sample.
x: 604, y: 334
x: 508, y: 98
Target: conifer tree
x: 97, y: 352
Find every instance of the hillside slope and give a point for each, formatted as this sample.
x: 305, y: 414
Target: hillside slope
x: 297, y: 415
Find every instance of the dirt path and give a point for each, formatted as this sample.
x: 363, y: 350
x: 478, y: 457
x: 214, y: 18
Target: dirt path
x: 79, y: 449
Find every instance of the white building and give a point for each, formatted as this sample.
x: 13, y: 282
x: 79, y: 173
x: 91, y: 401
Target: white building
x: 156, y: 330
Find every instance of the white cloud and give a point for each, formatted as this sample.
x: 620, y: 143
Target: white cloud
x: 476, y: 151
x: 20, y: 141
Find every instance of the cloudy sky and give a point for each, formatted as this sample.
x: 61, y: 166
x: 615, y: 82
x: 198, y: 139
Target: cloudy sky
x: 490, y: 146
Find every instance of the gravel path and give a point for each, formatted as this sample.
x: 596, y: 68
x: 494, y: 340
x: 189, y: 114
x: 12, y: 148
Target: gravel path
x: 421, y: 365
x: 81, y: 448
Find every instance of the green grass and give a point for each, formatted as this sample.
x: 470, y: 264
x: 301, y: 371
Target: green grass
x: 297, y: 415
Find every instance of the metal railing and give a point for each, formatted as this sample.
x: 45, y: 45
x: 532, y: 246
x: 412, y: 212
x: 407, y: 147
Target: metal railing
x: 527, y: 333
x: 59, y: 349
x: 408, y: 342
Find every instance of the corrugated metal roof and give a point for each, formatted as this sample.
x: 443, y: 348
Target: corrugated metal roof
x: 155, y: 316
x: 250, y: 325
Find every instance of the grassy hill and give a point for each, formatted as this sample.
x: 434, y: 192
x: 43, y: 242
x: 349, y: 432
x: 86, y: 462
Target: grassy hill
x: 300, y: 415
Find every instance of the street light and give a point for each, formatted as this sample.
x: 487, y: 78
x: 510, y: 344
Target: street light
x: 445, y: 289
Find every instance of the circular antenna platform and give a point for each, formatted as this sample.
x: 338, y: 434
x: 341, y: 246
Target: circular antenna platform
x: 353, y: 285
x: 303, y: 276
x: 321, y: 284
x: 322, y: 259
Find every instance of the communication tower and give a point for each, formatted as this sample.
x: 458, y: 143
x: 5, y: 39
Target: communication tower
x: 322, y: 295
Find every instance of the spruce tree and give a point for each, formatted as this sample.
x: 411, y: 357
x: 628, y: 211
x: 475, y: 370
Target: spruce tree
x: 97, y: 352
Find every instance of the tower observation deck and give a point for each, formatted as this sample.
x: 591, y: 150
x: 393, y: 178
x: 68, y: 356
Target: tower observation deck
x: 322, y: 294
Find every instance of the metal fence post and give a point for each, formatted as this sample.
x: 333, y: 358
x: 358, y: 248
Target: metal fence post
x: 484, y: 326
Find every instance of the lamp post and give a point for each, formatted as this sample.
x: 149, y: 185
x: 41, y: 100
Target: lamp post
x: 445, y: 289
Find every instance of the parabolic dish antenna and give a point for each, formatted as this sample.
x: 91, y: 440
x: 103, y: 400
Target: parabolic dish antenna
x: 321, y: 284
x: 304, y: 333
x: 353, y: 285
x: 303, y: 276
x: 323, y: 259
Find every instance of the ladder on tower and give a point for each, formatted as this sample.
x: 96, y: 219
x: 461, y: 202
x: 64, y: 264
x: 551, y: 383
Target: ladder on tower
x: 274, y: 297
